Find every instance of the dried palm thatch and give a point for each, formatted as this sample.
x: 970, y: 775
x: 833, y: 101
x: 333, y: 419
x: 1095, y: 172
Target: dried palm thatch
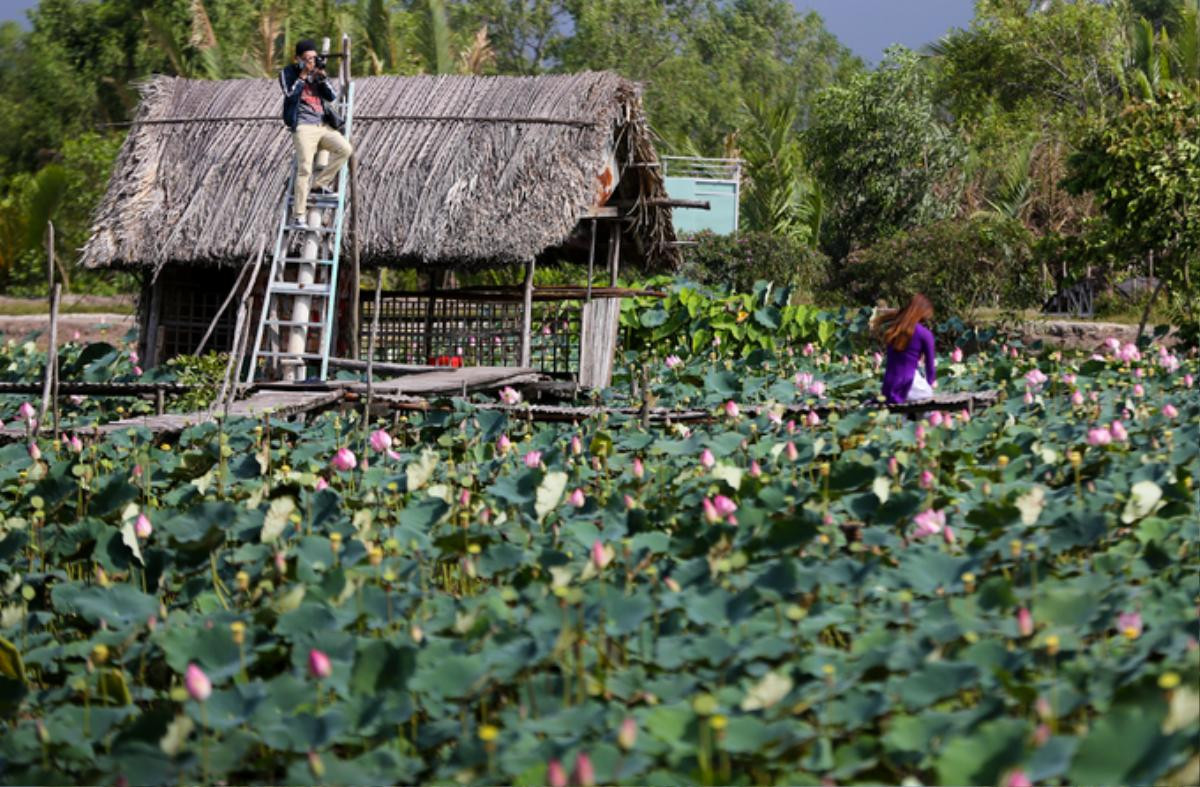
x: 456, y: 171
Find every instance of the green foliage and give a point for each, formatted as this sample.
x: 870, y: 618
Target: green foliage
x: 880, y: 154
x: 205, y: 372
x: 778, y: 196
x: 961, y: 265
x: 736, y: 262
x: 473, y: 638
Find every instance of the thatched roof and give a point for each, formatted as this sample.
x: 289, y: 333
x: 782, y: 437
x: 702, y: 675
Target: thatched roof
x: 479, y: 171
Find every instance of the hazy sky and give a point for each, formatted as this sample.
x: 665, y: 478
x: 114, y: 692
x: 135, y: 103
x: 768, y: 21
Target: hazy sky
x: 866, y: 26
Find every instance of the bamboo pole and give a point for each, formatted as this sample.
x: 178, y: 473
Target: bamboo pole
x: 527, y: 317
x: 234, y: 364
x: 54, y: 291
x: 371, y: 341
x: 224, y: 305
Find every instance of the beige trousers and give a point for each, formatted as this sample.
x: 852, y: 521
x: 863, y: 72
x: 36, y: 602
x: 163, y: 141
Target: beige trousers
x: 308, y: 141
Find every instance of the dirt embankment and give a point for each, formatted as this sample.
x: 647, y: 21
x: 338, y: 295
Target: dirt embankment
x: 1078, y: 334
x: 84, y: 318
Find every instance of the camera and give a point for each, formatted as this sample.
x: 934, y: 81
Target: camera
x: 320, y: 62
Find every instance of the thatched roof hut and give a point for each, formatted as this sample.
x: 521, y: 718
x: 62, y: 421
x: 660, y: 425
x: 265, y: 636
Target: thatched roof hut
x: 451, y: 171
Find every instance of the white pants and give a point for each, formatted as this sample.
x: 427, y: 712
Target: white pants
x: 920, y: 388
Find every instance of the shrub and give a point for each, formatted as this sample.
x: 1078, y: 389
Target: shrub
x: 962, y: 265
x: 737, y: 261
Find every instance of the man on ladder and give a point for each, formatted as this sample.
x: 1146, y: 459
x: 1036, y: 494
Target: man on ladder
x: 307, y: 95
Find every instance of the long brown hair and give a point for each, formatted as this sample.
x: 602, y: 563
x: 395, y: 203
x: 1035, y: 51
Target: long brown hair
x: 901, y: 325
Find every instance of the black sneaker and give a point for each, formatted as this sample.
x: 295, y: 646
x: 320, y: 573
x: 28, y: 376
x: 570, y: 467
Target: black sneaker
x: 298, y: 223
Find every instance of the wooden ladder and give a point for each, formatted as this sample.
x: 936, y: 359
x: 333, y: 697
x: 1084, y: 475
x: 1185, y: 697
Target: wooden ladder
x: 303, y: 278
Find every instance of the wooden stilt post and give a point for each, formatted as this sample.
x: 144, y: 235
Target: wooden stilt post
x: 54, y: 291
x: 371, y: 341
x: 527, y: 317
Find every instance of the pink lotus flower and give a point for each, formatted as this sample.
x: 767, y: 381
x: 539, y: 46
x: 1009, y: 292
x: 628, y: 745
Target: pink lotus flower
x: 1024, y: 622
x: 1068, y: 378
x: 1129, y: 353
x: 503, y: 444
x: 576, y: 445
x: 956, y: 355
x: 929, y: 523
x: 510, y: 396
x: 199, y: 687
x: 556, y: 775
x: 812, y: 419
x: 601, y: 557
x: 585, y: 774
x: 672, y: 361
x: 1169, y: 410
x: 724, y: 505
x: 1113, y: 343
x: 319, y: 665
x: 1035, y: 378
x: 380, y: 440
x: 1130, y: 624
x: 809, y: 349
x: 817, y: 388
x: 926, y: 480
x: 321, y: 484
x: 577, y: 498
x: 707, y: 460
x: 755, y: 470
x: 533, y: 459
x: 142, y: 527
x: 711, y: 515
x: 627, y: 733
x: 1117, y: 430
x: 803, y: 380
x: 1077, y: 398
x: 1099, y: 436
x: 35, y: 453
x: 1138, y: 390
x: 1018, y: 778
x: 790, y: 451
x: 716, y: 341
x: 344, y: 460
x: 639, y: 470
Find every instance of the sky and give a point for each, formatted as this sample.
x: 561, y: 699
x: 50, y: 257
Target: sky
x: 867, y: 27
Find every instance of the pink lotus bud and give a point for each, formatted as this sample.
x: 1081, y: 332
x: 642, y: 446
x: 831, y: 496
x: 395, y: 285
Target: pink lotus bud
x: 76, y: 444
x: 133, y: 356
x: 556, y: 775
x: 601, y: 557
x: 1041, y: 735
x: 576, y: 445
x: 929, y: 523
x: 791, y: 427
x: 1068, y: 378
x: 1018, y: 778
x: 1099, y: 436
x: 672, y: 361
x: 1077, y: 398
x: 877, y: 359
x: 585, y: 774
x: 948, y: 534
x: 812, y: 419
x: 1113, y: 343
x: 630, y: 503
x: 577, y: 498
x: 893, y: 466
x: 707, y: 460
x: 1028, y: 398
x: 964, y: 415
x: 711, y: 515
x: 1118, y: 431
x: 724, y: 505
x: 510, y: 396
x: 533, y: 459
x: 503, y: 444
x: 1094, y: 396
x: 926, y: 480
x: 716, y: 341
x: 1138, y: 390
x: 1013, y: 353
x: 956, y: 355
x: 1043, y: 708
x: 280, y: 559
x: 1024, y: 622
x: 731, y: 409
x: 137, y: 371
x: 1139, y: 373
x: 808, y: 349
x: 627, y: 734
x: 1130, y: 624
x: 919, y: 432
x: 142, y: 527
x: 817, y: 388
x: 755, y: 470
x: 1169, y: 410
x: 321, y: 484
x: 199, y: 687
x: 35, y: 453
x: 380, y: 441
x: 1188, y: 380
x: 639, y: 470
x: 464, y: 497
x: 25, y: 412
x: 319, y: 665
x: 344, y: 460
x: 76, y: 336
x: 791, y: 452
x: 936, y: 418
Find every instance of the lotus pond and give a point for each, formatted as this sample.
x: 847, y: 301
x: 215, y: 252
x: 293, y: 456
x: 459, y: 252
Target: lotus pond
x: 1004, y: 597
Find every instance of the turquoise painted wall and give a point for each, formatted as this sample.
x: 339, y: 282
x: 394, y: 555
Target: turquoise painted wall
x: 722, y: 197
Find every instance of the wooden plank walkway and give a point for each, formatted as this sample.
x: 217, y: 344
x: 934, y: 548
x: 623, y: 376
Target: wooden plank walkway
x: 451, y: 381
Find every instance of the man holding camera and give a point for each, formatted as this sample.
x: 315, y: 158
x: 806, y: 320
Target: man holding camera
x: 307, y: 94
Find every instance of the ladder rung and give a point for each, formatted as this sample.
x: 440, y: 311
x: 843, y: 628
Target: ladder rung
x: 297, y: 260
x: 328, y: 200
x: 291, y: 288
x: 318, y: 230
x: 294, y: 323
x: 284, y: 354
